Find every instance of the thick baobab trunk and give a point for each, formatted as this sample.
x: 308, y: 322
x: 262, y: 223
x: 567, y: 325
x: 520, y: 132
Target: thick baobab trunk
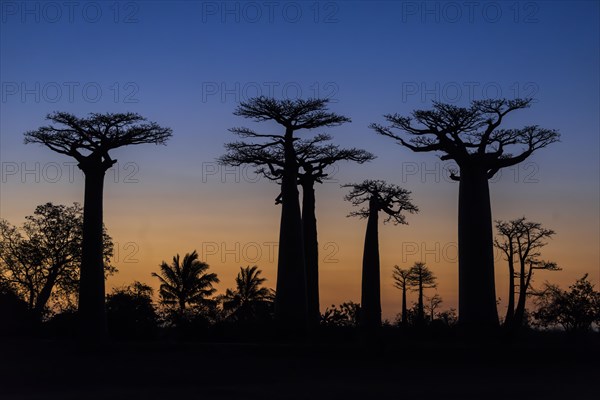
x: 290, y: 296
x: 370, y: 302
x: 311, y: 251
x: 510, y: 311
x: 477, y: 293
x: 91, y: 286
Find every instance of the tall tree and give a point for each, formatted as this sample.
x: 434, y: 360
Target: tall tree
x: 250, y: 297
x: 314, y: 157
x: 291, y: 303
x: 185, y: 282
x: 507, y: 245
x: 402, y: 281
x: 314, y: 161
x: 470, y: 136
x: 421, y: 278
x: 522, y: 239
x: 88, y: 141
x: 41, y: 259
x: 393, y: 201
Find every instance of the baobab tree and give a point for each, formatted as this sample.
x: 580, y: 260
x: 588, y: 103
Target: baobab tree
x: 402, y: 281
x: 522, y: 239
x: 89, y: 141
x: 291, y: 303
x: 470, y: 136
x: 315, y: 161
x: 314, y: 156
x: 421, y: 278
x: 394, y: 201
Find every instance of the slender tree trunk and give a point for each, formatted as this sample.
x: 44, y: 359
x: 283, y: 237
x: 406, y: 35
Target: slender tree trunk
x: 92, y: 311
x: 290, y: 297
x: 421, y: 308
x: 370, y: 303
x: 311, y: 251
x: 510, y: 311
x: 404, y: 310
x: 523, y: 286
x: 477, y: 293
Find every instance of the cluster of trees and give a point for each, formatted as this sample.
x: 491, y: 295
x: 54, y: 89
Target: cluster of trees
x: 520, y: 241
x: 39, y: 280
x: 417, y: 278
x: 471, y: 136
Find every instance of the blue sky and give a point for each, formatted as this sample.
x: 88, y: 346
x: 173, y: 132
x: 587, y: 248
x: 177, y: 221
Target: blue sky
x: 186, y: 64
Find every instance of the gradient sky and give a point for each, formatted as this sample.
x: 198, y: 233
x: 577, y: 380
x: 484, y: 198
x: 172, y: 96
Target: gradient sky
x: 187, y: 64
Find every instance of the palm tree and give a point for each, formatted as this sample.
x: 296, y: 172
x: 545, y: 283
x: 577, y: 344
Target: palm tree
x: 249, y: 295
x: 186, y: 283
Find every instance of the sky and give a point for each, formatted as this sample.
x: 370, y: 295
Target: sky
x: 187, y: 64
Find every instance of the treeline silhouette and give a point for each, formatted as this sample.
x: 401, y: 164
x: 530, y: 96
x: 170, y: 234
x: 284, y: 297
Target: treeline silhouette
x: 69, y: 262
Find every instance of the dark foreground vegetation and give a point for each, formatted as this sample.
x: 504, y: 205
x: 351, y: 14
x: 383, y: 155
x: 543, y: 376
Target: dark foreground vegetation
x: 397, y: 366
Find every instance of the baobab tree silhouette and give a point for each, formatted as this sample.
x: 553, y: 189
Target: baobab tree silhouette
x: 403, y: 281
x: 89, y: 140
x: 421, y: 278
x: 393, y: 201
x: 470, y: 136
x: 291, y: 304
x: 314, y: 156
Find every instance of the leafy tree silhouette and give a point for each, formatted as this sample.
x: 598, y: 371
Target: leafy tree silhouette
x: 470, y: 136
x: 249, y: 299
x: 314, y: 156
x: 393, y: 201
x: 432, y: 304
x: 523, y: 240
x: 185, y: 283
x: 291, y: 304
x: 89, y: 140
x: 421, y: 278
x: 347, y: 315
x: 41, y: 260
x: 575, y: 310
x: 131, y: 313
x: 403, y: 281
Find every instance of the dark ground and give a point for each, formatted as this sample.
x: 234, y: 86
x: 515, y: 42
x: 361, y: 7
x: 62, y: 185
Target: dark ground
x: 497, y: 369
